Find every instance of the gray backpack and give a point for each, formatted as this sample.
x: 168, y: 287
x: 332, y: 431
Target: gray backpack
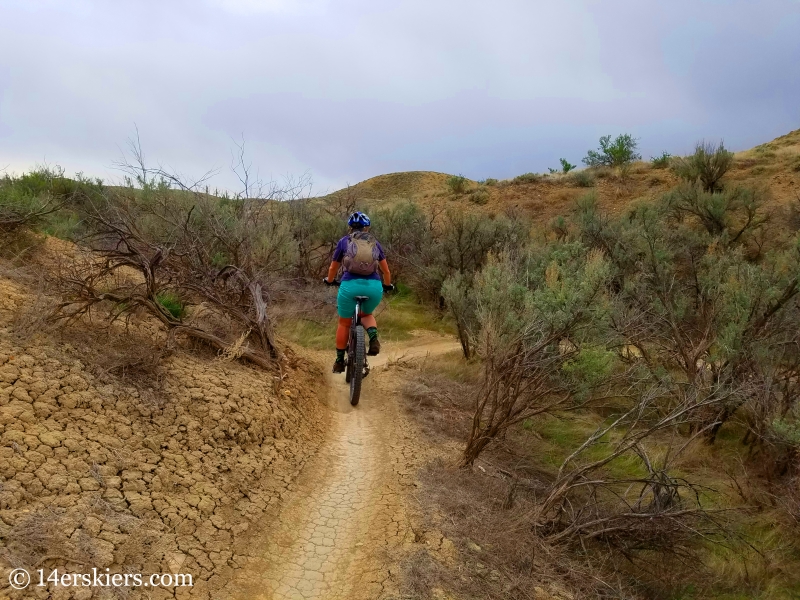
x: 361, y: 257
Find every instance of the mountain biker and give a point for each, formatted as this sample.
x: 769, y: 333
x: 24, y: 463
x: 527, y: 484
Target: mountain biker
x: 363, y: 258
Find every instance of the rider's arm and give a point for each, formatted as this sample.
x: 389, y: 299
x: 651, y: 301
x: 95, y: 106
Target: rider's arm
x: 333, y: 270
x: 387, y: 276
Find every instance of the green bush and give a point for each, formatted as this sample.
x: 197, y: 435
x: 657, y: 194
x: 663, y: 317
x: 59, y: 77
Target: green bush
x: 65, y: 225
x: 558, y: 225
x: 457, y: 183
x: 661, y: 162
x: 45, y: 198
x: 786, y: 430
x: 733, y: 212
x: 479, y: 196
x: 708, y: 165
x: 582, y: 179
x: 589, y: 366
x: 620, y: 152
x: 490, y: 181
x: 527, y: 178
x: 172, y: 303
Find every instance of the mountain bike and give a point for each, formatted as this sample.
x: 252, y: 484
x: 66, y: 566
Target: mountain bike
x: 356, y: 365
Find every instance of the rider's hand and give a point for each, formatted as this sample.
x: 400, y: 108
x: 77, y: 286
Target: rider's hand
x: 326, y: 282
x: 388, y: 288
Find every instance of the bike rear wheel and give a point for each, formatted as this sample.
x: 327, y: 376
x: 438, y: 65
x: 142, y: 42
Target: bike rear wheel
x: 359, y: 358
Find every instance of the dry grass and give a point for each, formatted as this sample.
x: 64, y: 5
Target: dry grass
x: 485, y: 512
x: 437, y: 394
x: 34, y: 317
x: 235, y: 350
x: 39, y: 536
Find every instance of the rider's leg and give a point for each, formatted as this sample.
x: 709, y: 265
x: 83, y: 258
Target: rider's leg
x: 342, y: 333
x: 371, y: 325
x: 374, y: 291
x: 345, y: 305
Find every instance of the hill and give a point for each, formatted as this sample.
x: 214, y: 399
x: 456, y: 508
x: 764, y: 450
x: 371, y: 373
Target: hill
x: 159, y: 433
x: 774, y: 165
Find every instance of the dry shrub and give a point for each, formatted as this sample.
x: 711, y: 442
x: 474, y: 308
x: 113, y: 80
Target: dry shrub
x: 130, y: 353
x: 42, y: 535
x: 34, y: 317
x: 498, y: 503
x: 314, y: 302
x: 498, y: 557
x: 16, y: 250
x: 438, y: 403
x: 793, y: 501
x: 794, y: 213
x: 134, y: 359
x: 131, y: 274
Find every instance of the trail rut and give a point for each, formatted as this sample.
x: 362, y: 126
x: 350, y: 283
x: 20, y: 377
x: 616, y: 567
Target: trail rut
x: 336, y: 533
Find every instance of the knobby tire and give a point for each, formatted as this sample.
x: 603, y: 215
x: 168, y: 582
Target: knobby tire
x: 358, y: 366
x: 348, y: 371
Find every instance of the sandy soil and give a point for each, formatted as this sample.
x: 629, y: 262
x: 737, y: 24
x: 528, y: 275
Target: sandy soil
x: 345, y: 523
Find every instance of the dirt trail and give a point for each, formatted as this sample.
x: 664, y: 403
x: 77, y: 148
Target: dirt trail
x: 336, y: 533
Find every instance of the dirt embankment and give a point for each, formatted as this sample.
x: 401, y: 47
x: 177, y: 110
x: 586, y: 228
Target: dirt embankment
x: 94, y: 473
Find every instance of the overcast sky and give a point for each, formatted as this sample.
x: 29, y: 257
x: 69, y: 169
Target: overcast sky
x: 348, y: 89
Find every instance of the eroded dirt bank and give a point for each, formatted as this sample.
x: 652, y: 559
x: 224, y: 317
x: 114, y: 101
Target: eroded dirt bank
x: 94, y: 474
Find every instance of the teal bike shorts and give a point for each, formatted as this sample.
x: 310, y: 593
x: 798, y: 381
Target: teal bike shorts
x: 348, y: 290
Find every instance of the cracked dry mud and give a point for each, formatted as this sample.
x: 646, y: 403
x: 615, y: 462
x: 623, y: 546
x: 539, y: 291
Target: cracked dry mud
x: 340, y: 530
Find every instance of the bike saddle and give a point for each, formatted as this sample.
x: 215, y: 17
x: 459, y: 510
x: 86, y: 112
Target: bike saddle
x: 362, y: 298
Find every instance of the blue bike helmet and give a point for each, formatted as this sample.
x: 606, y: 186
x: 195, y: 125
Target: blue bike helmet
x: 358, y: 220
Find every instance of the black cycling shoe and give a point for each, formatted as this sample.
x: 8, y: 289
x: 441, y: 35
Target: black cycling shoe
x: 374, y: 347
x: 338, y: 366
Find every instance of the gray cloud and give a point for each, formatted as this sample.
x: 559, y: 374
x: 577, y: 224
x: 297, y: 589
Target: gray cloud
x: 346, y: 89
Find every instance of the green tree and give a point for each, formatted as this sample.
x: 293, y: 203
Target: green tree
x: 566, y: 167
x: 530, y: 313
x: 617, y: 153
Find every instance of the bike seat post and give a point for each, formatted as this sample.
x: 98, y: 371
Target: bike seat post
x: 359, y: 301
